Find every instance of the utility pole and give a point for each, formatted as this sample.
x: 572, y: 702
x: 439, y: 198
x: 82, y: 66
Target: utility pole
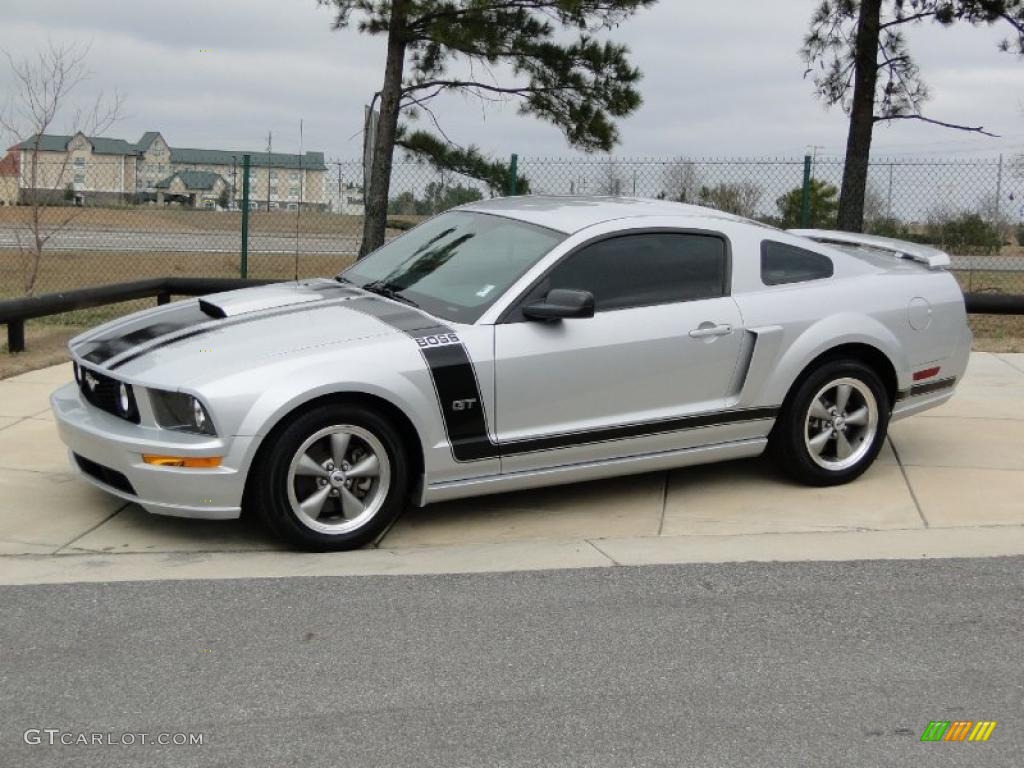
x: 338, y: 163
x: 270, y: 146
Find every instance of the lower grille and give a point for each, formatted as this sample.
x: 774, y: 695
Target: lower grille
x: 105, y: 475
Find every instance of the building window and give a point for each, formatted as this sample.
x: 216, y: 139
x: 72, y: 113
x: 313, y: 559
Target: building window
x: 79, y: 163
x: 79, y: 178
x: 273, y: 189
x: 293, y: 192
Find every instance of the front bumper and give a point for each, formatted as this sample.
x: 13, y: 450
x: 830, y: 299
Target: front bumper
x: 115, y: 444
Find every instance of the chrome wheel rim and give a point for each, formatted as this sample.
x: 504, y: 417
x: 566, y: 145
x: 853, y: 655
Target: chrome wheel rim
x: 841, y: 424
x: 338, y: 479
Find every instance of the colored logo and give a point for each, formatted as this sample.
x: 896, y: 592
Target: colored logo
x: 958, y: 730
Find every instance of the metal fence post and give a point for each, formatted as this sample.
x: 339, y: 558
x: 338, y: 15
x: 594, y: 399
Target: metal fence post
x: 999, y: 194
x: 243, y: 270
x: 805, y: 195
x: 513, y: 175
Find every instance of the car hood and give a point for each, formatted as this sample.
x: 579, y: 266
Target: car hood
x: 226, y: 332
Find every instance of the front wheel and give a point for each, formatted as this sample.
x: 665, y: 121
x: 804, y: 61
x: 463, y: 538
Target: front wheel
x: 833, y: 425
x: 335, y: 478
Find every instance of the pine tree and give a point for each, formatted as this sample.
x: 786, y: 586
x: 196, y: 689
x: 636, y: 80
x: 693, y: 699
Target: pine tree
x: 580, y: 85
x: 857, y: 53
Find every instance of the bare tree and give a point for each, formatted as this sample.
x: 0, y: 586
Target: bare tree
x: 43, y: 87
x: 680, y: 181
x: 741, y: 198
x: 612, y: 182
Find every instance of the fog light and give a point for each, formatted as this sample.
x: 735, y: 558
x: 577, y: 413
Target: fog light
x: 190, y: 462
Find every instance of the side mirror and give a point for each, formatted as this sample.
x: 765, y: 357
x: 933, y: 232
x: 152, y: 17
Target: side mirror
x: 561, y: 303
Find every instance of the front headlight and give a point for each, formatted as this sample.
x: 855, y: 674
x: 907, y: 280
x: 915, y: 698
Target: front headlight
x: 176, y: 410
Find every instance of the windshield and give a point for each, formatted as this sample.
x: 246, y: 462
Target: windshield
x: 455, y: 265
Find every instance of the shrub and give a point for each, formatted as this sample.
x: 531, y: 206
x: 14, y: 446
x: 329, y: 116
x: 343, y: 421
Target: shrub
x: 965, y: 234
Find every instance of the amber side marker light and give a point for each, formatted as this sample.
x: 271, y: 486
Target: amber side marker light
x: 191, y: 462
x: 927, y: 373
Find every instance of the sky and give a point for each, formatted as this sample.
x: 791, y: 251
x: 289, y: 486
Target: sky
x: 720, y: 80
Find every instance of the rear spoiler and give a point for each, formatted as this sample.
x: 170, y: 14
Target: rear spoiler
x: 932, y: 258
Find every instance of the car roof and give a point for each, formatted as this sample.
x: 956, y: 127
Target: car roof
x: 570, y: 214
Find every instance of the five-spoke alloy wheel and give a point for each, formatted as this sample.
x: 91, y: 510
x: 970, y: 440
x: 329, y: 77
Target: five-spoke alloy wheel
x: 334, y: 478
x: 833, y: 424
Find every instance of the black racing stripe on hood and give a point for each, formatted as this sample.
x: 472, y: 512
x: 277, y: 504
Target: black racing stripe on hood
x: 406, y: 319
x: 214, y: 325
x: 109, y: 347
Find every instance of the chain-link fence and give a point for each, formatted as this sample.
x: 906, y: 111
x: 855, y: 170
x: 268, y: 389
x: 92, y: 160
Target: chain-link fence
x: 66, y: 225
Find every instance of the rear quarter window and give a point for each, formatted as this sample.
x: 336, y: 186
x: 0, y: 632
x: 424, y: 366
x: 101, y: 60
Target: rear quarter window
x: 782, y: 264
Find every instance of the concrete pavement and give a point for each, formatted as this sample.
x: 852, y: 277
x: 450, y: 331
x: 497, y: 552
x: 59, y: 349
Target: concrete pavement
x: 949, y: 483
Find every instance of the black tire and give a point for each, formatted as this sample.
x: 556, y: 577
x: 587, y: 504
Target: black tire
x: 791, y: 439
x: 274, y: 487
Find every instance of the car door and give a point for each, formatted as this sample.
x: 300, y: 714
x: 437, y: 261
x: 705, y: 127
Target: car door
x: 639, y: 376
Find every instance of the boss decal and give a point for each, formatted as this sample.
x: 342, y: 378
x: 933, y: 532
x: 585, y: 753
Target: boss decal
x: 437, y: 340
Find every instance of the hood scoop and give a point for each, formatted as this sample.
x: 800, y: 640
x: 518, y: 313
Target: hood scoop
x: 248, y: 300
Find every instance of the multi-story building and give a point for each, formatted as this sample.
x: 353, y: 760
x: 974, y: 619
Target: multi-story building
x: 9, y: 179
x: 101, y: 170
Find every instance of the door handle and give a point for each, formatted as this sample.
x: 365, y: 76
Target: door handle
x: 709, y: 330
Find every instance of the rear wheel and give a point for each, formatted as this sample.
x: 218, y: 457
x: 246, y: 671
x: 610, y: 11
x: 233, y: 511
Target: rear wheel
x: 833, y: 425
x: 334, y: 478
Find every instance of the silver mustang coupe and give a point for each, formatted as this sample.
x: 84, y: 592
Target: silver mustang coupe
x: 511, y: 344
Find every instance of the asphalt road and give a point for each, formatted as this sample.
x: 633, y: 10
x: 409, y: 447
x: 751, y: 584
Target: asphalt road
x: 190, y: 242
x: 816, y: 664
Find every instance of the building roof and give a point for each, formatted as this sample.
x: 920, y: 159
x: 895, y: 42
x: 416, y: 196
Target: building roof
x: 147, y: 138
x: 200, y: 180
x: 100, y: 145
x: 311, y: 161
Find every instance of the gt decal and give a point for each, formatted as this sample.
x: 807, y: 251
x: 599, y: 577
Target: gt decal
x: 437, y: 340
x: 464, y: 405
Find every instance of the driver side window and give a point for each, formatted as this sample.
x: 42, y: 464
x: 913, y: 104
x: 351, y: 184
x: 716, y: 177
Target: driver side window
x: 643, y: 270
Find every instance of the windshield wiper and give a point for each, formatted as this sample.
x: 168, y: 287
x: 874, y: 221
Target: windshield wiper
x: 387, y: 290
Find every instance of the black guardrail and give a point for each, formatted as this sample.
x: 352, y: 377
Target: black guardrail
x: 14, y: 312
x: 994, y: 304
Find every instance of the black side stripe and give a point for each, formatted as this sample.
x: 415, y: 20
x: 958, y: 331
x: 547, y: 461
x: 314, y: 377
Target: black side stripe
x: 645, y: 429
x: 927, y: 389
x: 452, y: 372
x: 462, y: 407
